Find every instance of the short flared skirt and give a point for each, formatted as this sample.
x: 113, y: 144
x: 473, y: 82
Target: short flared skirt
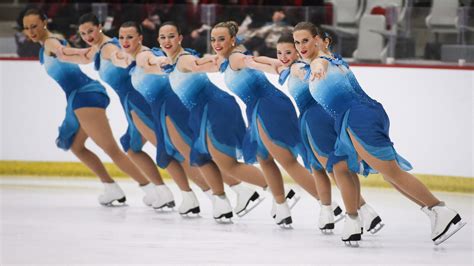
x: 132, y: 138
x: 278, y: 118
x: 170, y: 106
x: 369, y: 124
x: 218, y: 119
x: 92, y: 95
x: 318, y: 136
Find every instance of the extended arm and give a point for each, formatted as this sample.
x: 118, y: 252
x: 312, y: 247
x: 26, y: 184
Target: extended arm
x: 151, y: 63
x: 263, y: 64
x: 193, y: 64
x: 75, y: 55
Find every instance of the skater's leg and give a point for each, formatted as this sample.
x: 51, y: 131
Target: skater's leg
x: 95, y: 124
x: 89, y: 158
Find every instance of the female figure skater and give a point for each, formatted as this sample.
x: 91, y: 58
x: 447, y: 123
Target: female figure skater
x: 362, y: 128
x: 273, y: 126
x: 85, y: 112
x: 112, y: 65
x: 316, y: 127
x: 215, y: 120
x: 171, y: 122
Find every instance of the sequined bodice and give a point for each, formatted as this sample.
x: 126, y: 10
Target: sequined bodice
x: 69, y: 76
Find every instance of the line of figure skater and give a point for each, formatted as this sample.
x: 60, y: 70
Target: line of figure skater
x: 200, y: 134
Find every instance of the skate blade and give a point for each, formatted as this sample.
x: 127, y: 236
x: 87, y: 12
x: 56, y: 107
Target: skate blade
x: 337, y: 211
x: 286, y: 223
x: 286, y: 226
x: 352, y: 241
x: 191, y: 213
x: 223, y: 220
x: 255, y: 203
x: 448, y: 234
x: 377, y: 228
x: 327, y: 231
x: 339, y: 218
x: 115, y: 203
x: 352, y: 244
x: 166, y: 207
x: 293, y: 200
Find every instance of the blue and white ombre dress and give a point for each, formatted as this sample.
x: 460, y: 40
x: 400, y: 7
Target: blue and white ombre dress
x: 213, y: 113
x: 120, y: 81
x: 81, y: 91
x: 164, y: 103
x: 268, y: 105
x: 316, y: 125
x: 355, y: 112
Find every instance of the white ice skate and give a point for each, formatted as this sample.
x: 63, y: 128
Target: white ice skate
x: 283, y: 215
x: 370, y: 219
x: 222, y: 210
x: 208, y: 194
x: 112, y: 193
x: 326, y: 219
x: 445, y: 222
x: 151, y: 194
x: 291, y: 197
x: 247, y: 199
x: 337, y: 211
x: 165, y: 198
x: 351, y: 234
x: 190, y: 204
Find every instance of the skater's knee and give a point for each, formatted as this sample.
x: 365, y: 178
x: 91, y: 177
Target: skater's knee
x: 341, y: 167
x: 265, y: 162
x: 287, y: 161
x: 78, y: 149
x: 391, y: 172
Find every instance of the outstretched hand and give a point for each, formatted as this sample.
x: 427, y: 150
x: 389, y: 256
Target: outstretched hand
x: 159, y: 61
x: 317, y: 72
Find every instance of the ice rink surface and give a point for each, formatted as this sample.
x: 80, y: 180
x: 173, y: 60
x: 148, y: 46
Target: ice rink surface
x: 58, y: 221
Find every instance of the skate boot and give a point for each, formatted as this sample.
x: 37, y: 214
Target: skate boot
x: 208, y: 194
x: 245, y: 196
x: 337, y: 211
x: 283, y: 215
x: 445, y: 222
x: 371, y: 220
x: 165, y: 198
x: 351, y: 233
x: 222, y: 210
x: 190, y: 204
x: 151, y: 194
x: 292, y: 197
x: 112, y: 192
x: 326, y: 219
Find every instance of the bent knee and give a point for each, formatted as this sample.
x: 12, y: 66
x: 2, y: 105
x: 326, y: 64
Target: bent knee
x: 78, y: 149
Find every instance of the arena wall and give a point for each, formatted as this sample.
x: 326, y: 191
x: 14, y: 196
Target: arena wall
x: 431, y: 113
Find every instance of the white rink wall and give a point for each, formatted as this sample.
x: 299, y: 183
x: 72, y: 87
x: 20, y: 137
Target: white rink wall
x: 430, y: 112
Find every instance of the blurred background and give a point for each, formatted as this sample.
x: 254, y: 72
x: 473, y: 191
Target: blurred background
x: 433, y: 32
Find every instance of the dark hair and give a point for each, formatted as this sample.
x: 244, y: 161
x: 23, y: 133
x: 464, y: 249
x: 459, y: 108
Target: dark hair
x: 132, y: 24
x: 286, y: 37
x: 305, y: 25
x: 89, y: 17
x: 232, y: 26
x: 35, y: 11
x: 171, y: 23
x: 325, y: 35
